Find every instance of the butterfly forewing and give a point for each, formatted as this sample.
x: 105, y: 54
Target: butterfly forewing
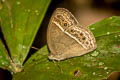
x: 63, y: 19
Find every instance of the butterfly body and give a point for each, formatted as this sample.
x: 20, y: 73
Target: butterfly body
x: 66, y: 38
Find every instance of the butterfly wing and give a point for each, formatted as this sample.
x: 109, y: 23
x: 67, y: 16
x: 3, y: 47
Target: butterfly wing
x: 58, y: 43
x: 63, y: 19
x: 65, y: 38
x: 82, y: 42
x: 59, y: 22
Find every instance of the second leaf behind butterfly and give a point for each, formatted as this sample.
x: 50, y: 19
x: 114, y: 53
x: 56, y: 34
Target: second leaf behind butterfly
x: 66, y: 38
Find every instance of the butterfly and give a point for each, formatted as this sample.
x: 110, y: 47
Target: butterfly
x: 66, y: 38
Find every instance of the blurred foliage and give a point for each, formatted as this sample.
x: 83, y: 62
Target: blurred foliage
x: 20, y: 21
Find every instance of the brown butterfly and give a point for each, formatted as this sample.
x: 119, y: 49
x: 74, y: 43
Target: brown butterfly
x: 66, y: 38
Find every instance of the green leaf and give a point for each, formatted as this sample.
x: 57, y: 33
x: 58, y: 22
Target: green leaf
x: 20, y: 21
x: 107, y: 26
x: 4, y: 57
x: 96, y: 65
